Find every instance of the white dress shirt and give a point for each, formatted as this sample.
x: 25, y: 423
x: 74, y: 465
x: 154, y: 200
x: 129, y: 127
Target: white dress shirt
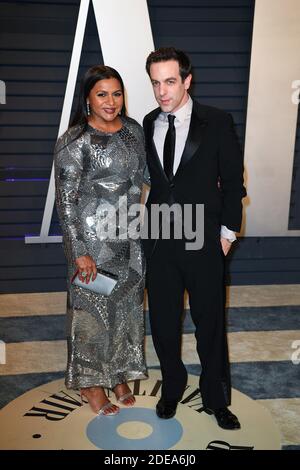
x: 182, y: 124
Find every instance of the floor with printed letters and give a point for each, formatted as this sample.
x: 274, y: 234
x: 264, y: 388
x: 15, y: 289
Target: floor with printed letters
x: 264, y: 341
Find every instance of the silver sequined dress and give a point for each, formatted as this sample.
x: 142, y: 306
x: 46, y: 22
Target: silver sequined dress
x: 92, y: 173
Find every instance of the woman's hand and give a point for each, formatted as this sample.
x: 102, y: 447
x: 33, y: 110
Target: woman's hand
x: 87, y: 268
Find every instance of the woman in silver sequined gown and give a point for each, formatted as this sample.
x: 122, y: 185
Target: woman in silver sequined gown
x: 99, y: 163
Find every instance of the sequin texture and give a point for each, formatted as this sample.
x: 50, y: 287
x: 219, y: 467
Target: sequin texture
x: 105, y: 334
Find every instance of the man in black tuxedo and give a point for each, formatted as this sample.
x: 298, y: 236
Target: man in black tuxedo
x: 193, y: 157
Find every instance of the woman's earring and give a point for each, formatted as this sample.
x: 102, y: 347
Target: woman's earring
x: 88, y: 109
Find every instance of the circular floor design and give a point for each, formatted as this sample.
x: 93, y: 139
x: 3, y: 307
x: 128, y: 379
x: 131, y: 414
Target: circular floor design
x: 52, y: 417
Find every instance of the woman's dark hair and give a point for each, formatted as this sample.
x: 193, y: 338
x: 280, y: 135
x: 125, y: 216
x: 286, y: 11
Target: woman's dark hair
x: 92, y: 76
x: 170, y: 53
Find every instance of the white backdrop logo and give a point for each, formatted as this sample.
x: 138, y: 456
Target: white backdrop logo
x: 272, y: 117
x: 130, y: 20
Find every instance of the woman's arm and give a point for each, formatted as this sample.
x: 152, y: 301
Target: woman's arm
x: 68, y: 165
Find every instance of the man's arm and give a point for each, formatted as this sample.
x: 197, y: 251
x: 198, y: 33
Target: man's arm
x: 231, y: 175
x: 227, y: 238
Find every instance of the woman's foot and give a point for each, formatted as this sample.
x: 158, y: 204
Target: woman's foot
x: 124, y: 394
x: 98, y: 401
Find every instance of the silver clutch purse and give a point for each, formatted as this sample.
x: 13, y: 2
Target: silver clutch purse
x: 103, y: 284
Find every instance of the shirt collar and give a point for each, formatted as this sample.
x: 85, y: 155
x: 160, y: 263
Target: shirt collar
x: 181, y: 114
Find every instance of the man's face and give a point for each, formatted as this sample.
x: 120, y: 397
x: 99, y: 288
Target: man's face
x: 169, y: 89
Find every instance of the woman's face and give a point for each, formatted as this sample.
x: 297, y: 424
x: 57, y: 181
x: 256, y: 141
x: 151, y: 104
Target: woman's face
x: 105, y: 100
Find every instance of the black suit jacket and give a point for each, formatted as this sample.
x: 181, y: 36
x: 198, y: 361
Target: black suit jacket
x: 210, y: 170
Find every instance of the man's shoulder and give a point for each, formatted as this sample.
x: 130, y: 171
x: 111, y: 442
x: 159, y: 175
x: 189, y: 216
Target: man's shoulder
x: 203, y: 111
x: 152, y: 115
x: 210, y: 112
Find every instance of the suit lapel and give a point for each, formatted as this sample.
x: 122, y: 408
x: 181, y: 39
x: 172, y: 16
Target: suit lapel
x: 149, y: 132
x: 194, y: 138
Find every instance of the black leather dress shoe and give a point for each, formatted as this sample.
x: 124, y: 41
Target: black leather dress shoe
x: 225, y: 418
x: 166, y: 409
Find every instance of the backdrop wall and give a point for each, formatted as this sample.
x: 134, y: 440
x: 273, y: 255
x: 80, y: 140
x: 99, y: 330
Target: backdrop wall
x: 36, y: 43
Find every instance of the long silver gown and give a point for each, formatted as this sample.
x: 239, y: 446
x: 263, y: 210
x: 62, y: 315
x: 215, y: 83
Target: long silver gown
x: 105, y: 334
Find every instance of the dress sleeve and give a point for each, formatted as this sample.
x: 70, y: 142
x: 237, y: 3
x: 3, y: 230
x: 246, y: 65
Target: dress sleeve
x: 68, y: 166
x: 146, y: 176
x: 142, y: 151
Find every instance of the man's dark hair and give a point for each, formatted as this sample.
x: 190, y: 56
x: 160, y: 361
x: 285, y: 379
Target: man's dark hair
x: 170, y: 53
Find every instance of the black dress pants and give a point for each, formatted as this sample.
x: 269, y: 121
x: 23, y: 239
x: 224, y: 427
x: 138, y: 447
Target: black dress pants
x: 170, y: 270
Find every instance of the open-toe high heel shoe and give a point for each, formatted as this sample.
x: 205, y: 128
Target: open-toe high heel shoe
x: 122, y: 399
x: 108, y: 409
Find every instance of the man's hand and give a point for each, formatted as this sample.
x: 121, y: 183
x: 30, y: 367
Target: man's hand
x: 226, y: 245
x: 87, y: 268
